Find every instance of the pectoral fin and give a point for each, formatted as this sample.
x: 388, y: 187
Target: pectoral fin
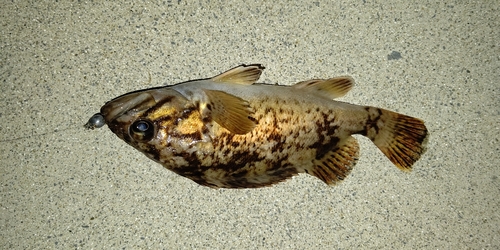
x: 243, y: 74
x: 229, y: 111
x: 331, y: 88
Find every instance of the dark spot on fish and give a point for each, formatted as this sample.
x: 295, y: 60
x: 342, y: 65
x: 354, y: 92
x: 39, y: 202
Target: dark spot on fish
x: 187, y: 112
x: 279, y: 145
x: 209, y: 106
x: 226, y: 151
x: 176, y: 121
x: 206, y: 119
x: 278, y: 164
x: 196, y: 136
x: 274, y: 136
x: 239, y: 174
x: 284, y: 170
x: 242, y: 158
x: 287, y: 119
x: 194, y: 168
x: 325, y: 148
x: 324, y: 144
x: 252, y: 119
x: 204, y: 130
x: 372, y: 120
x: 163, y: 119
x: 158, y: 105
x: 248, y: 178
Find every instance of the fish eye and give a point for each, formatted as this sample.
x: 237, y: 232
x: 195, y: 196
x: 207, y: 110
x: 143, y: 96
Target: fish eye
x: 141, y: 126
x: 142, y: 130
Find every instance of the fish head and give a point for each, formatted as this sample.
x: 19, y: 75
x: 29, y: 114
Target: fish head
x: 152, y: 120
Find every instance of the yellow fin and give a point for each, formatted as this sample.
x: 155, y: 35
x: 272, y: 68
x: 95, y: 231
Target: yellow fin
x: 229, y: 111
x: 330, y: 88
x: 243, y: 74
x: 400, y: 137
x: 335, y: 165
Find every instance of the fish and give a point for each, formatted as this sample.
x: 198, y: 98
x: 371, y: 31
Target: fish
x: 229, y: 131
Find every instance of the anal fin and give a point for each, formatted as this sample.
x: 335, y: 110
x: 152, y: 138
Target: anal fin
x: 335, y: 165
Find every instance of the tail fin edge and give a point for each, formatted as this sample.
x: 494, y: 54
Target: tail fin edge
x: 400, y: 137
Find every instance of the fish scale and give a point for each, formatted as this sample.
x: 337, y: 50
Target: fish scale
x: 231, y: 132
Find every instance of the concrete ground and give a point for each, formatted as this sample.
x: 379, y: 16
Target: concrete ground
x: 65, y: 187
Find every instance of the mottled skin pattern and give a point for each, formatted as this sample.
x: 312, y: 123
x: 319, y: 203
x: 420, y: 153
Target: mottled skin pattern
x: 281, y: 145
x: 289, y: 135
x: 296, y: 131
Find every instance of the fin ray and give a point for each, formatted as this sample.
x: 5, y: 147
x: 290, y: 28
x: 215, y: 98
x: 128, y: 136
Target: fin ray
x: 330, y: 88
x: 229, y: 111
x: 336, y: 165
x: 243, y: 74
x: 400, y: 137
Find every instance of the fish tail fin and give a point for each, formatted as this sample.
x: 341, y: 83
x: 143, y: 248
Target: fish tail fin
x: 400, y: 137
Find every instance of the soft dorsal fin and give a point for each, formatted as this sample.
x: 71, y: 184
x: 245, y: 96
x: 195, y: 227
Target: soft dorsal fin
x: 335, y: 165
x: 243, y: 74
x: 229, y: 111
x: 331, y: 88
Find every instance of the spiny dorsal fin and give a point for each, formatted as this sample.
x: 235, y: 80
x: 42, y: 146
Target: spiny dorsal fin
x: 331, y: 88
x: 335, y: 165
x: 243, y: 74
x: 229, y: 111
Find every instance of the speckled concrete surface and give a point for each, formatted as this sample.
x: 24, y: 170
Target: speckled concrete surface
x: 65, y: 187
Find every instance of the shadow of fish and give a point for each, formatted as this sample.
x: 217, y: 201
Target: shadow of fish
x: 230, y: 132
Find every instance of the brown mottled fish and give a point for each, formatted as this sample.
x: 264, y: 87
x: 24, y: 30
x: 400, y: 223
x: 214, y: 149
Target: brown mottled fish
x: 230, y: 132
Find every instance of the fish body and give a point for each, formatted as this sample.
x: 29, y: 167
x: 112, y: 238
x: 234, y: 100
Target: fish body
x: 230, y: 132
